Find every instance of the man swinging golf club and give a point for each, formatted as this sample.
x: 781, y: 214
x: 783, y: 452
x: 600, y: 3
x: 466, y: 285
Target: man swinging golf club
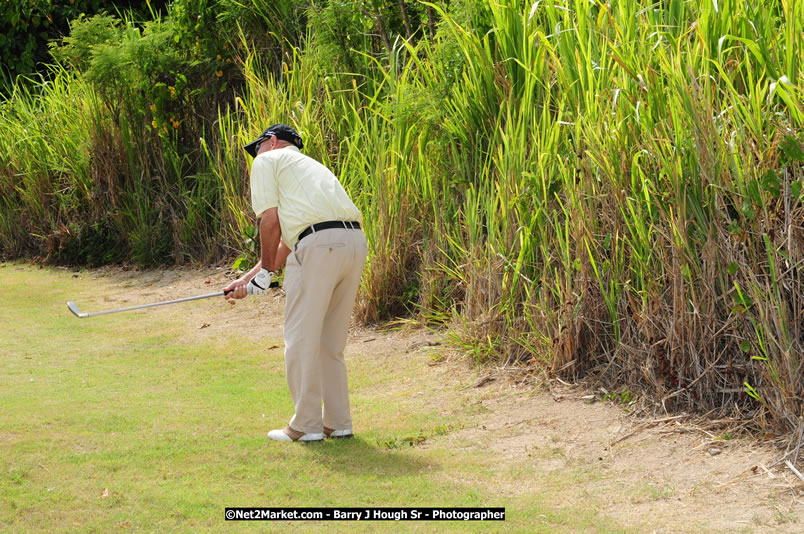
x: 308, y: 223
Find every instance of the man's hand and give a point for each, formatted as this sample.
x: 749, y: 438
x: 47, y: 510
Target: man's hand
x: 260, y: 283
x: 243, y: 286
x: 236, y: 290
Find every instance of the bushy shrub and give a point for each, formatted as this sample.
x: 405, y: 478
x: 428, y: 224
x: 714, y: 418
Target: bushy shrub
x: 159, y: 86
x: 26, y: 27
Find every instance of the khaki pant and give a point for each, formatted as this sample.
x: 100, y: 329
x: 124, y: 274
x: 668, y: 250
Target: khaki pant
x: 322, y: 277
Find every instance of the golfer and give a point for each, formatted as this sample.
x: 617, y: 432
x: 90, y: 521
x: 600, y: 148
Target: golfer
x: 307, y: 223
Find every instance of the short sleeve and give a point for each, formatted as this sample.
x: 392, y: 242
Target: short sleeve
x: 264, y: 187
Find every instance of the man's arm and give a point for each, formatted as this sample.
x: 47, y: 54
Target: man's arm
x: 273, y: 253
x: 270, y: 238
x: 270, y: 227
x: 282, y: 253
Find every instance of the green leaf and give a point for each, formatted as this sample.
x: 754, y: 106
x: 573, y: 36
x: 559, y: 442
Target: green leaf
x: 795, y: 189
x: 748, y: 210
x: 733, y: 268
x: 238, y: 262
x: 745, y: 346
x: 770, y: 183
x: 792, y: 148
x: 751, y: 391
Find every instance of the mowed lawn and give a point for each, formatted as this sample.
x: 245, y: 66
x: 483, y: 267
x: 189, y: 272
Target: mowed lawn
x: 134, y: 421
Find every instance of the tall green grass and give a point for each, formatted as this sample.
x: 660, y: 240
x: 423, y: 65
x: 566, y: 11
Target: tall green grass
x: 43, y: 161
x: 611, y: 189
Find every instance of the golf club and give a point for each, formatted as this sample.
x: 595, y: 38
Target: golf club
x: 73, y: 307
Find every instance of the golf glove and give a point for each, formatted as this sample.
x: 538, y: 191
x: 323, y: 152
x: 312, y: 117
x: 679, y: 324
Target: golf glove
x: 260, y: 283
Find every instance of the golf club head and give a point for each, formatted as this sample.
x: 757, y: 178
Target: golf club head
x: 73, y: 307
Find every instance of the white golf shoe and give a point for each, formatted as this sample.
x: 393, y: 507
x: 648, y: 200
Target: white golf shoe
x: 288, y: 434
x: 344, y: 433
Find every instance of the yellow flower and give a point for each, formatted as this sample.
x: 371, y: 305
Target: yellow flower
x: 154, y: 124
x: 172, y: 91
x: 219, y: 58
x: 153, y: 107
x: 219, y: 73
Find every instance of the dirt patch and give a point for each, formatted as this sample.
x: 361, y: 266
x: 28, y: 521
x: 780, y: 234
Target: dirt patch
x: 663, y: 474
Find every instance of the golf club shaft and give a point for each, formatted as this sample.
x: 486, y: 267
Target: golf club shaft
x: 130, y: 308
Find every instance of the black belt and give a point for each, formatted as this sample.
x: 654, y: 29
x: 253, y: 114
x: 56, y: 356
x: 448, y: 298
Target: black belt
x: 347, y: 225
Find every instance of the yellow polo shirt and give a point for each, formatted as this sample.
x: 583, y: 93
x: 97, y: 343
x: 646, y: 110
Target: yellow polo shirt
x: 303, y: 190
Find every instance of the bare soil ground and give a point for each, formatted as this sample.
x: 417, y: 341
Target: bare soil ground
x: 669, y: 473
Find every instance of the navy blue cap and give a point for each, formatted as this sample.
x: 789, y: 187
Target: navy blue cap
x: 281, y: 131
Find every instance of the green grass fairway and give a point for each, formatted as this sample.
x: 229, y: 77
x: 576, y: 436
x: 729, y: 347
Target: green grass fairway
x: 138, y: 422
